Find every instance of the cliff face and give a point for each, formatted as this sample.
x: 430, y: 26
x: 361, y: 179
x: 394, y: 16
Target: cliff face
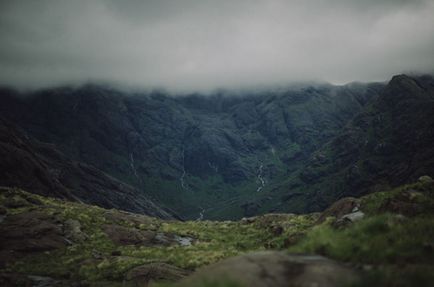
x: 40, y: 167
x: 209, y: 155
x: 227, y: 156
x: 387, y: 144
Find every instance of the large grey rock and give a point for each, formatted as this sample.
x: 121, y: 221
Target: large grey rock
x: 275, y: 269
x: 340, y: 208
x: 73, y: 232
x: 425, y: 178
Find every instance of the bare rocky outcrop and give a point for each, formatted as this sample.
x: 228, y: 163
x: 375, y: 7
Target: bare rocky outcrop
x: 340, y: 208
x: 29, y: 232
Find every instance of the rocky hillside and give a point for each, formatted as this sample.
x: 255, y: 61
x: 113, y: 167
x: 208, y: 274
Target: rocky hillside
x: 41, y: 168
x: 382, y: 239
x: 228, y: 155
x: 389, y: 143
x: 203, y: 156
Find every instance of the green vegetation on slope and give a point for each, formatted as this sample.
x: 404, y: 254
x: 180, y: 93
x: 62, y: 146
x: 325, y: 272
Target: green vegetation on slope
x: 391, y: 245
x: 97, y: 258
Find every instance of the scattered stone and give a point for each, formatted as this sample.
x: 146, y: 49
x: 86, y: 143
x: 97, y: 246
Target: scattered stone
x: 25, y: 233
x: 354, y: 216
x: 277, y: 230
x: 248, y: 220
x: 408, y: 203
x: 145, y: 274
x: 31, y: 231
x: 340, y: 208
x: 425, y: 179
x: 348, y: 219
x: 33, y: 200
x: 15, y: 202
x: 3, y: 210
x: 129, y: 236
x: 97, y: 255
x: 40, y: 281
x: 116, y: 253
x: 292, y: 239
x: 120, y: 217
x: 163, y: 239
x: 277, y: 269
x: 183, y: 240
x: 14, y: 279
x: 72, y: 230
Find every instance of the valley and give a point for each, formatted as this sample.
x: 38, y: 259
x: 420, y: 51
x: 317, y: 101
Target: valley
x: 100, y: 188
x: 229, y: 143
x: 237, y: 154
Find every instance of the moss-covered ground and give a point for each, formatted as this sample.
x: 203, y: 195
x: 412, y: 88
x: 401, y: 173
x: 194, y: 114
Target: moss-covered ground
x: 389, y: 248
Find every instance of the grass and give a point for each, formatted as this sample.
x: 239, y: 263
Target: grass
x: 396, y: 250
x: 91, y: 261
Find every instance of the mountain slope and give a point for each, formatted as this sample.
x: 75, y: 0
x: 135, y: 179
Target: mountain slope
x: 382, y: 239
x: 33, y: 165
x: 389, y: 143
x: 197, y: 154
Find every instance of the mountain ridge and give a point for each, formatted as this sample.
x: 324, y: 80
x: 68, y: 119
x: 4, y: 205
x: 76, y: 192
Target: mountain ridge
x: 40, y: 167
x: 211, y: 154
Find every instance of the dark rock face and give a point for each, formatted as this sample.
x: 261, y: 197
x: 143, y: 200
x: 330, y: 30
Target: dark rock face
x: 128, y: 236
x: 32, y: 231
x: 340, y: 208
x: 39, y: 167
x: 405, y: 203
x: 225, y: 155
x: 169, y: 147
x: 29, y: 232
x: 73, y: 232
x: 389, y: 143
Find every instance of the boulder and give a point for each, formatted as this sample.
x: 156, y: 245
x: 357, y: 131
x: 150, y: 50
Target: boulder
x: 29, y: 232
x: 128, y: 236
x: 349, y: 218
x: 340, y: 208
x: 14, y: 279
x: 145, y: 274
x: 408, y: 202
x: 425, y: 179
x: 119, y: 217
x: 275, y: 269
x: 72, y: 231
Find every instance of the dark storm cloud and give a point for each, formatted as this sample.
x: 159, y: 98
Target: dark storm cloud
x: 202, y: 45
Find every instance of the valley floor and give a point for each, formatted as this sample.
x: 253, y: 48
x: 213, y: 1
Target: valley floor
x: 382, y: 239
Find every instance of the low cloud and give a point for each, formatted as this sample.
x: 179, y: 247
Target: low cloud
x: 203, y: 45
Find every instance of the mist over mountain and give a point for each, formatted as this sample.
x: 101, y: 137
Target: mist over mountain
x: 226, y: 157
x: 231, y: 143
x: 191, y: 46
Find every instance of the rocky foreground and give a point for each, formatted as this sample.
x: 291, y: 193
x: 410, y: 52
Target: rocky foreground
x: 382, y: 239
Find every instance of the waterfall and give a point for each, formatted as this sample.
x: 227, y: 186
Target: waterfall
x: 182, y: 178
x: 133, y: 166
x: 260, y: 179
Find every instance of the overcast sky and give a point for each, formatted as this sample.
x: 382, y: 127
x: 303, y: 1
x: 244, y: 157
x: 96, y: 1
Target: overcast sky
x: 203, y: 45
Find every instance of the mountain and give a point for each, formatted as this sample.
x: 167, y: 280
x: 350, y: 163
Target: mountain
x: 390, y: 142
x: 234, y: 154
x: 208, y: 156
x: 40, y: 167
x: 92, y: 180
